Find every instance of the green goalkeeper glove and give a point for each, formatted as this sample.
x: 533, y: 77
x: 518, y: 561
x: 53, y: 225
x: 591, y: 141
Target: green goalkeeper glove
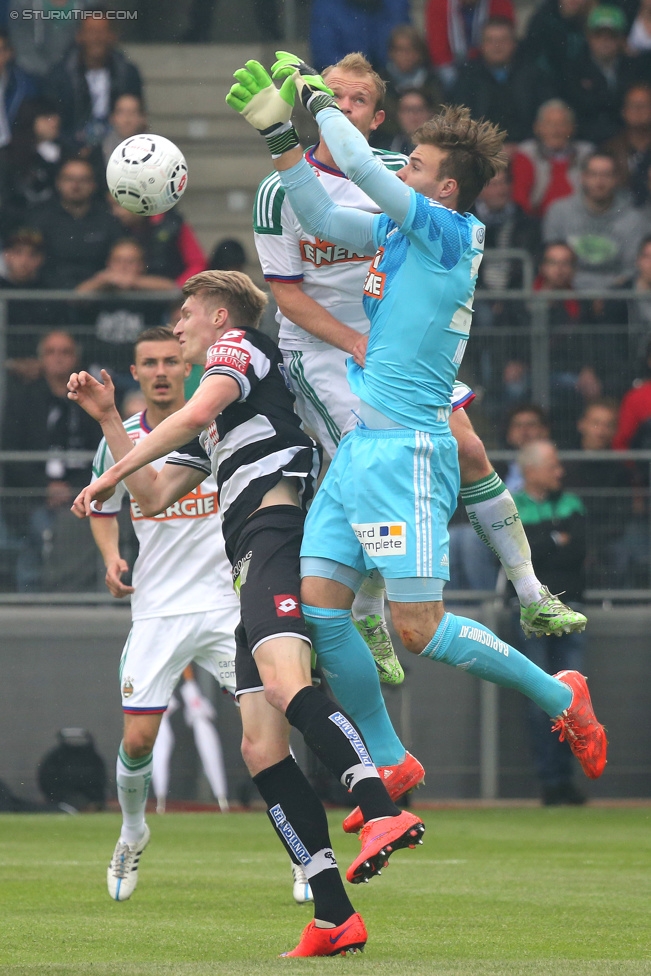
x: 312, y: 89
x: 264, y: 106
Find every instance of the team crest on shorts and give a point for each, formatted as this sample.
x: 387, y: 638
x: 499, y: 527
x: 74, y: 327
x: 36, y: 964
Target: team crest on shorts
x: 127, y: 688
x: 382, y: 538
x: 287, y: 605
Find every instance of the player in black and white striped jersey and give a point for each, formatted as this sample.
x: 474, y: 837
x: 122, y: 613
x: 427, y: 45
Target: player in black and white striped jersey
x: 259, y: 438
x: 265, y: 465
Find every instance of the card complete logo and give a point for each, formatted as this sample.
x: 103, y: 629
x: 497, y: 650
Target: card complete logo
x: 382, y: 538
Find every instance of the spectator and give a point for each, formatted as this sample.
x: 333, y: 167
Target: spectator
x: 55, y: 553
x: 548, y: 167
x: 119, y: 322
x: 78, y: 229
x: 15, y: 87
x: 556, y: 528
x: 127, y: 119
x: 454, y: 29
x: 634, y: 422
x: 639, y: 309
x: 200, y: 17
x: 42, y: 417
x: 595, y: 83
x: 556, y: 34
x: 506, y: 226
x: 414, y: 109
x: 408, y: 69
x: 500, y: 85
x: 599, y: 225
x: 171, y: 247
x: 525, y: 423
x: 89, y: 80
x: 338, y: 27
x: 596, y: 428
x: 645, y: 211
x: 41, y: 42
x: 639, y: 39
x: 584, y: 365
x: 500, y: 367
x: 631, y: 147
x: 35, y: 156
x: 227, y: 255
x: 23, y: 257
x: 126, y: 271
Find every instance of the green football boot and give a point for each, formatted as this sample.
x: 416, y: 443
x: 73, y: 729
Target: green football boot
x: 549, y: 615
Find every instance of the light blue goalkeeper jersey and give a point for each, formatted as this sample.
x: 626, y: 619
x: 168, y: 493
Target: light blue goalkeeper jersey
x: 419, y: 288
x: 418, y: 296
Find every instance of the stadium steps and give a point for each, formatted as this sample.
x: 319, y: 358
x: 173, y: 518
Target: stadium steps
x: 185, y: 86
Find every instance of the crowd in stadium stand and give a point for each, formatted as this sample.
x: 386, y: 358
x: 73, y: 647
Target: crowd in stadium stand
x: 572, y: 88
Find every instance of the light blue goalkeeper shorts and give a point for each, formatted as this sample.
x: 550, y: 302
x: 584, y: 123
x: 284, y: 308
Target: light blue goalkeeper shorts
x: 385, y: 503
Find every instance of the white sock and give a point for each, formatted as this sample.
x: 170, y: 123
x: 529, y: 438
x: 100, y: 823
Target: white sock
x: 494, y: 517
x: 133, y: 777
x: 370, y: 598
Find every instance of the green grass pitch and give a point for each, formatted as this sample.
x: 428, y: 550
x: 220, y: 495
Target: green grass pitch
x: 538, y: 892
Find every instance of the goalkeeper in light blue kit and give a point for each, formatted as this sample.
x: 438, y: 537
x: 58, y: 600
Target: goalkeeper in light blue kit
x: 392, y: 486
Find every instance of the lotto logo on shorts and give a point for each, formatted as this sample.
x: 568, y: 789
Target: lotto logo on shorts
x: 382, y: 538
x: 287, y: 605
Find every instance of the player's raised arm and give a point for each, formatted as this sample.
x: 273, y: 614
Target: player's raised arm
x: 264, y: 106
x: 348, y: 146
x: 214, y: 394
x: 98, y: 400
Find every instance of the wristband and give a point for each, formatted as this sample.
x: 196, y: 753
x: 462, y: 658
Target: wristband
x: 280, y: 138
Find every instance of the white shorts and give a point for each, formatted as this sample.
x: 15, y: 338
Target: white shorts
x: 324, y: 400
x: 159, y: 648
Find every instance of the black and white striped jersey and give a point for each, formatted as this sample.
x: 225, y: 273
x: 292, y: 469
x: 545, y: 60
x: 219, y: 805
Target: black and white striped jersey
x: 258, y: 439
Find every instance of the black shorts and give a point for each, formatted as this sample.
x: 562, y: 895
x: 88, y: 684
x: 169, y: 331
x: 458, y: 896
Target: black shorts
x: 266, y: 574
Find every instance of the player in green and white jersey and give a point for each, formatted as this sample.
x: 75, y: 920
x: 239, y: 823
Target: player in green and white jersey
x: 182, y: 600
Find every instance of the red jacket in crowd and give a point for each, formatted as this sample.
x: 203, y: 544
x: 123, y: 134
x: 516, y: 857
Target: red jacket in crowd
x: 445, y: 26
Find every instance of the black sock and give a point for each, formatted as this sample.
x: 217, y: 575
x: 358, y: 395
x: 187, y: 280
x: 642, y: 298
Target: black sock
x: 299, y: 819
x: 335, y: 740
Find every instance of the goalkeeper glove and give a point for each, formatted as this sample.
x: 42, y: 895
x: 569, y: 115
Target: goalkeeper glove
x: 264, y: 106
x: 312, y: 89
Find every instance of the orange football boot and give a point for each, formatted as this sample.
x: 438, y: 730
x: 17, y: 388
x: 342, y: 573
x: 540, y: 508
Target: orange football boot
x: 398, y: 779
x: 578, y: 724
x: 350, y: 936
x: 380, y: 838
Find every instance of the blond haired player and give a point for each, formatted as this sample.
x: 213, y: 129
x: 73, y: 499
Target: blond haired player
x: 241, y: 425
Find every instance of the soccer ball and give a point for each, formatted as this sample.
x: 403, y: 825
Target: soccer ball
x: 147, y: 174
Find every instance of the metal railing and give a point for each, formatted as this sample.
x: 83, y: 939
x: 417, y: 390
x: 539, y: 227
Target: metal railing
x: 544, y: 351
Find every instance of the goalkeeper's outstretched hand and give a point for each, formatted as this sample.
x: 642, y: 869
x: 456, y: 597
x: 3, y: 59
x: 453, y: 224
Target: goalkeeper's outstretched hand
x: 312, y: 89
x: 258, y: 100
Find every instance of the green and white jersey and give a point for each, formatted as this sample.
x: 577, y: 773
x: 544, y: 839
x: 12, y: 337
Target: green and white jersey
x: 330, y: 274
x: 182, y: 566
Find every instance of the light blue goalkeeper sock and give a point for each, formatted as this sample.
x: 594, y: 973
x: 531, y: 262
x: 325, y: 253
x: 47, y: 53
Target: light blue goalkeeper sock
x: 470, y: 646
x: 350, y: 670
